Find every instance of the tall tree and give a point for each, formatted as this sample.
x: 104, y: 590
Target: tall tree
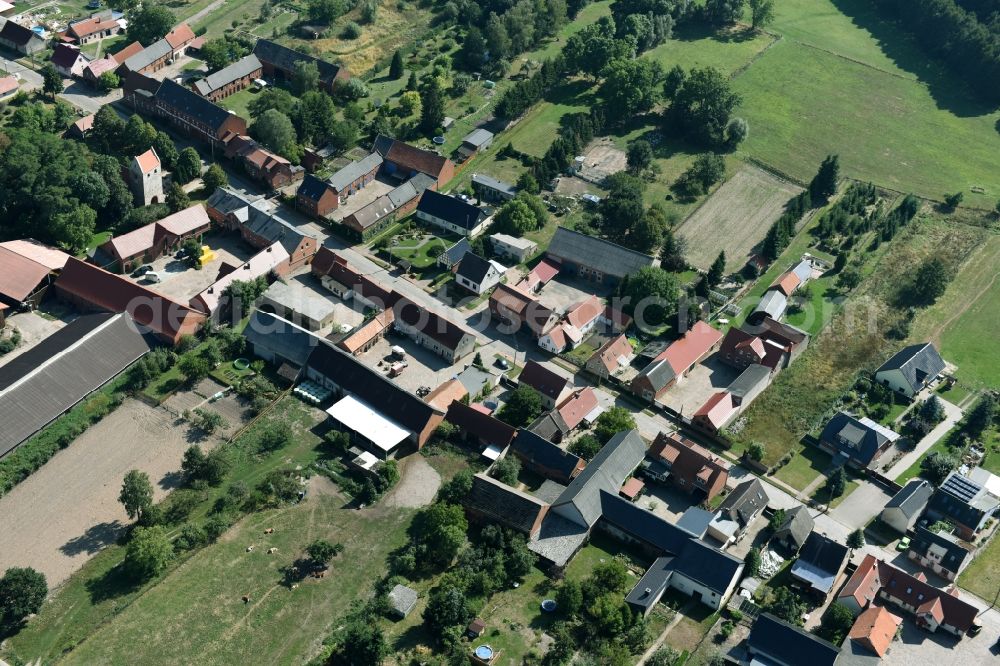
x: 473, y: 53
x: 136, y: 494
x: 214, y: 178
x: 305, y: 77
x: 650, y: 295
x: 149, y: 23
x: 22, y: 592
x: 702, y: 106
x: 396, y: 68
x: 177, y: 198
x: 761, y: 13
x: 432, y: 106
x: 639, y: 155
x: 523, y: 406
x: 611, y: 422
x: 52, y: 81
x: 148, y: 552
x: 363, y: 644
x: 276, y: 132
x: 672, y: 253
x: 824, y: 183
x: 723, y: 12
x: 717, y: 270
x: 630, y: 87
x: 188, y: 166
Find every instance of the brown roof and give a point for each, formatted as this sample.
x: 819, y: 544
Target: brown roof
x: 875, y: 628
x: 416, y: 159
x: 135, y: 242
x: 543, y: 380
x: 65, y: 55
x: 632, y: 488
x: 368, y: 332
x: 106, y: 291
x: 49, y: 257
x: 481, y: 426
x: 686, y: 351
x: 19, y: 275
x: 690, y: 461
x: 127, y: 52
x: 874, y: 575
x: 7, y: 84
x: 446, y: 393
x: 585, y: 311
x: 179, y: 36
x: 576, y: 407
x: 84, y: 124
x: 185, y: 221
x: 611, y: 351
x: 429, y: 323
x: 786, y: 283
x: 92, y: 25
x: 148, y: 161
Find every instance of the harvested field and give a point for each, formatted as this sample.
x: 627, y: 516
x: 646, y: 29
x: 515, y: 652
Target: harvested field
x: 68, y: 510
x: 736, y: 217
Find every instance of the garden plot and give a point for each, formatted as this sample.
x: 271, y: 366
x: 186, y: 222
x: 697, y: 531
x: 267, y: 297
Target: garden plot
x: 736, y: 218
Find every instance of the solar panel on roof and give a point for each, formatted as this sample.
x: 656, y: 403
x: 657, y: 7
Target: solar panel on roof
x: 962, y: 487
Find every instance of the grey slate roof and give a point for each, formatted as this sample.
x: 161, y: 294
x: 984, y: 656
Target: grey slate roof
x: 312, y: 187
x: 241, y: 68
x: 550, y: 425
x: 474, y: 268
x: 607, y: 471
x: 275, y: 229
x: 451, y: 209
x: 539, y: 451
x: 855, y: 438
x: 190, y: 103
x: 458, y: 250
x: 148, y: 55
x: 919, y: 363
x: 751, y: 378
x: 54, y: 375
x: 267, y: 332
x: 797, y: 526
x: 341, y: 180
x: 226, y: 201
x: 956, y: 556
x: 601, y: 255
x: 642, y: 523
x: 652, y: 584
x: 503, y: 504
x: 788, y: 644
x: 658, y: 374
x: 285, y: 58
x: 705, y: 564
x: 17, y: 33
x: 746, y: 499
x: 912, y: 498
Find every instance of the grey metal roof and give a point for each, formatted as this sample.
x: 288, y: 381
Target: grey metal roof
x: 341, y: 180
x: 280, y: 337
x: 912, y: 498
x: 803, y: 270
x: 652, y: 584
x: 695, y: 521
x: 226, y: 200
x: 754, y: 376
x: 402, y: 599
x: 148, y: 55
x: 601, y: 255
x: 241, y: 68
x: 477, y: 137
x: 607, y: 471
x: 267, y: 225
x: 494, y: 184
x: 458, y: 250
x: 919, y: 363
x: 772, y: 304
x: 62, y: 370
x: 746, y: 499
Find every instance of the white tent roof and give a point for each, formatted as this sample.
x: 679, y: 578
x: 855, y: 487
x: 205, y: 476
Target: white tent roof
x: 366, y: 421
x: 491, y: 452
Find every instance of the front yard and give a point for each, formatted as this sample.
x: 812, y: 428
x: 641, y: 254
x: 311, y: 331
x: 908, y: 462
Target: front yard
x: 806, y: 464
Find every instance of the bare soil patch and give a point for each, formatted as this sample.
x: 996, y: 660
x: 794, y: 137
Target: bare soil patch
x: 417, y: 486
x: 735, y: 218
x: 601, y: 159
x: 68, y: 510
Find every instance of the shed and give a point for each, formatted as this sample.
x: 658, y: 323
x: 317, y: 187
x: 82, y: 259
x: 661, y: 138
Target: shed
x: 402, y: 599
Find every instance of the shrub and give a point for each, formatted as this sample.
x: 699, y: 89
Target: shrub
x: 351, y: 31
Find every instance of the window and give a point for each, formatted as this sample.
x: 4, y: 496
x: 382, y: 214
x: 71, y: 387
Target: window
x: 909, y: 590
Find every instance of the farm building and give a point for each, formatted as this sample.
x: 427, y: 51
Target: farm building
x: 187, y: 111
x: 355, y: 176
x: 513, y: 247
x: 316, y: 197
x: 146, y: 243
x: 401, y: 162
x: 272, y: 260
x: 676, y: 361
x: 475, y: 141
x: 298, y: 304
x: 594, y: 259
x: 263, y: 228
x: 229, y: 80
x: 49, y: 379
x: 18, y: 38
x: 27, y: 268
x: 279, y: 62
x: 489, y: 189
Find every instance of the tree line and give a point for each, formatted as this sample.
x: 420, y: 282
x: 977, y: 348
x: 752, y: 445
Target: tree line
x: 956, y: 32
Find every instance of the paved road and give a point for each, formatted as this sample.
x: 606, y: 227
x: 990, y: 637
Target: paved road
x: 30, y: 79
x: 86, y: 98
x: 952, y: 416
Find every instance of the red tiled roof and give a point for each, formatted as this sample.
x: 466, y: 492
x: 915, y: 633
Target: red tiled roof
x: 875, y: 629
x: 106, y: 291
x: 446, y: 393
x: 148, y: 161
x: 632, y: 488
x: 371, y: 330
x: 576, y: 407
x: 717, y: 409
x: 135, y: 242
x: 91, y: 25
x: 127, y: 52
x: 544, y: 271
x: 84, y: 125
x: 585, y: 311
x: 7, y: 84
x: 179, y: 36
x: 98, y: 67
x: 617, y: 317
x: 787, y: 283
x: 684, y: 353
x: 19, y: 275
x: 612, y: 352
x: 690, y: 461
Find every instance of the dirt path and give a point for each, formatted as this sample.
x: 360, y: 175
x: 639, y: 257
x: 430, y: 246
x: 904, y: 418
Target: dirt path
x: 417, y: 486
x: 67, y: 511
x: 938, y: 331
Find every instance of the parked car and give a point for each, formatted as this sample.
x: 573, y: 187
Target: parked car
x: 142, y: 270
x: 502, y: 363
x: 903, y: 544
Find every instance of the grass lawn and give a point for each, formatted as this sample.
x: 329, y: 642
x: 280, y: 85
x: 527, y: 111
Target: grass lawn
x: 808, y: 463
x: 239, y: 102
x: 104, y: 620
x: 98, y: 239
x: 914, y: 469
x: 886, y: 129
x: 417, y: 251
x: 963, y: 321
x: 695, y: 622
x: 698, y: 45
x: 982, y: 577
x: 821, y: 496
x: 954, y: 394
